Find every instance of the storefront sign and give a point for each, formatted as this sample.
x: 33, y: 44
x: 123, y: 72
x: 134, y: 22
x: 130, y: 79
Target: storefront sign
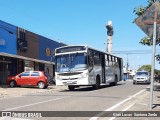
x: 2, y: 42
x: 48, y: 52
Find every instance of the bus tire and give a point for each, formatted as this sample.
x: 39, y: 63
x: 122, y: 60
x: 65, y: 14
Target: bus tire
x: 97, y: 85
x: 71, y: 88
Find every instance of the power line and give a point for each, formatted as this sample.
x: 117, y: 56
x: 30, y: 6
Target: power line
x: 135, y: 52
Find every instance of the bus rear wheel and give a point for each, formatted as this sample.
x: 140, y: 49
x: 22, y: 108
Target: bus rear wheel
x: 71, y: 88
x: 115, y: 82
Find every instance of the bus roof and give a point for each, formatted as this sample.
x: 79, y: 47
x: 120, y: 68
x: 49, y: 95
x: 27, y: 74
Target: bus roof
x: 87, y: 47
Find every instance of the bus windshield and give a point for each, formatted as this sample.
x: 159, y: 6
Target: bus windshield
x: 71, y: 62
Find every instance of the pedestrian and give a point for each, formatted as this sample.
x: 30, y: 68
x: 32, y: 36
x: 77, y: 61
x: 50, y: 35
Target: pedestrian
x: 156, y: 77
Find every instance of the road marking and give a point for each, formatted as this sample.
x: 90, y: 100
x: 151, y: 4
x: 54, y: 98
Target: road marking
x: 41, y: 102
x: 32, y: 104
x: 127, y: 108
x: 115, y: 106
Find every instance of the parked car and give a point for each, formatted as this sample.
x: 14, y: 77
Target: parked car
x: 32, y: 78
x: 142, y: 77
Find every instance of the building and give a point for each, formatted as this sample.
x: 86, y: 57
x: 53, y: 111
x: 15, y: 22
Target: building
x: 22, y: 50
x: 128, y: 74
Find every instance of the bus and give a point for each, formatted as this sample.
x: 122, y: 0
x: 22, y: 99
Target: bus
x: 82, y: 65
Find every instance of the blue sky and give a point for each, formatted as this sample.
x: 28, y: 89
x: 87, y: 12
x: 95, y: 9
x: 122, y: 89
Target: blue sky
x: 81, y: 22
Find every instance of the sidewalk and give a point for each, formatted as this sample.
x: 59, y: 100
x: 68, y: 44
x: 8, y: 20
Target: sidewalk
x: 6, y: 91
x: 142, y: 104
x: 139, y: 104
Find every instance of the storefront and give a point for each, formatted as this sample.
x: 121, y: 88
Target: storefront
x: 5, y: 68
x: 22, y: 50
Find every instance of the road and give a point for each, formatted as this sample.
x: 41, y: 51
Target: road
x: 82, y: 99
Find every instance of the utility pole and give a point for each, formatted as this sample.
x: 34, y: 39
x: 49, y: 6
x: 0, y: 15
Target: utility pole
x: 109, y: 38
x: 149, y: 22
x: 127, y: 66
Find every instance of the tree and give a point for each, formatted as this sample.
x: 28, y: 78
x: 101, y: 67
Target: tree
x: 145, y: 68
x: 146, y: 40
x: 139, y: 11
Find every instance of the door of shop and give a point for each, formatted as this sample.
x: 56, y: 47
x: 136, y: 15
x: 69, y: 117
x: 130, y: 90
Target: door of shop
x: 4, y: 72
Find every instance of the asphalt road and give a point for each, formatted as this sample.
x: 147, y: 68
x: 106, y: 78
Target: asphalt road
x: 82, y: 99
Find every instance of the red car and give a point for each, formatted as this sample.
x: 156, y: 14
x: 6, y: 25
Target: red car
x: 33, y: 78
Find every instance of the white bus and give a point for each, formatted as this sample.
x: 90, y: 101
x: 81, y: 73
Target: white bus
x: 84, y: 66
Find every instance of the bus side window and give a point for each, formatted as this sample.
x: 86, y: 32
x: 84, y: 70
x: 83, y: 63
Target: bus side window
x: 113, y: 62
x: 97, y: 58
x: 116, y: 63
x: 110, y: 60
x: 106, y: 60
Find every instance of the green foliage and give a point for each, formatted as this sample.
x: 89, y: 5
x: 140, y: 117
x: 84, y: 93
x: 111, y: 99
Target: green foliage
x: 147, y: 41
x: 145, y: 68
x: 140, y: 9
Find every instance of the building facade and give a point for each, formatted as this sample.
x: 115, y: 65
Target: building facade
x: 22, y: 50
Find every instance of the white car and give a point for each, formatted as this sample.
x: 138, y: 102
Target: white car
x: 142, y: 77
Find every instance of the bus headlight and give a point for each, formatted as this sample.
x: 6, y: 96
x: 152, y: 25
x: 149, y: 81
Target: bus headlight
x: 57, y: 77
x: 84, y: 75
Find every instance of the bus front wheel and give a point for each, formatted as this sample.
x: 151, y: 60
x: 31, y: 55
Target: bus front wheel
x: 97, y: 85
x: 71, y: 88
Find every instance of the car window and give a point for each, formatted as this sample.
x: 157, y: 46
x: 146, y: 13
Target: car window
x: 142, y: 73
x: 25, y: 74
x: 35, y: 74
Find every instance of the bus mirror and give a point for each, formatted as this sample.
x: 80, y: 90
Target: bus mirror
x: 90, y: 68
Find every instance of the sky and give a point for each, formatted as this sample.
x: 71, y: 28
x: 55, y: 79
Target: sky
x: 82, y: 22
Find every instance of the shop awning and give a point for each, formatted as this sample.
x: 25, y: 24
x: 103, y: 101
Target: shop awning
x: 25, y: 58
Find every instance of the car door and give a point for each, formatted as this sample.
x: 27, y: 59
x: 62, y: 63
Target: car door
x: 34, y: 77
x: 23, y: 78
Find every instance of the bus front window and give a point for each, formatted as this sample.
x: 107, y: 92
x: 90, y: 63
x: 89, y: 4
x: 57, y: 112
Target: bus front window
x: 71, y: 62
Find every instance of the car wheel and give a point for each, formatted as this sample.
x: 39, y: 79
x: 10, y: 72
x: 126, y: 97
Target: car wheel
x: 12, y: 83
x: 41, y: 85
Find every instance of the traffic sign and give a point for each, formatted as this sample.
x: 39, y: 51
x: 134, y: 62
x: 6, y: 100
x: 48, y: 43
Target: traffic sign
x: 146, y: 21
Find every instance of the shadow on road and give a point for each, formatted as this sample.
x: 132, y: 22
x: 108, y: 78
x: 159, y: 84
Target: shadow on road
x: 90, y: 88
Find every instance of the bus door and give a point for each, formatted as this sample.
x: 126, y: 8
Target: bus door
x: 120, y: 63
x: 102, y: 57
x: 91, y: 67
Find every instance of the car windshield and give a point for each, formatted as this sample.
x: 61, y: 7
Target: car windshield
x: 71, y: 62
x: 142, y: 73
